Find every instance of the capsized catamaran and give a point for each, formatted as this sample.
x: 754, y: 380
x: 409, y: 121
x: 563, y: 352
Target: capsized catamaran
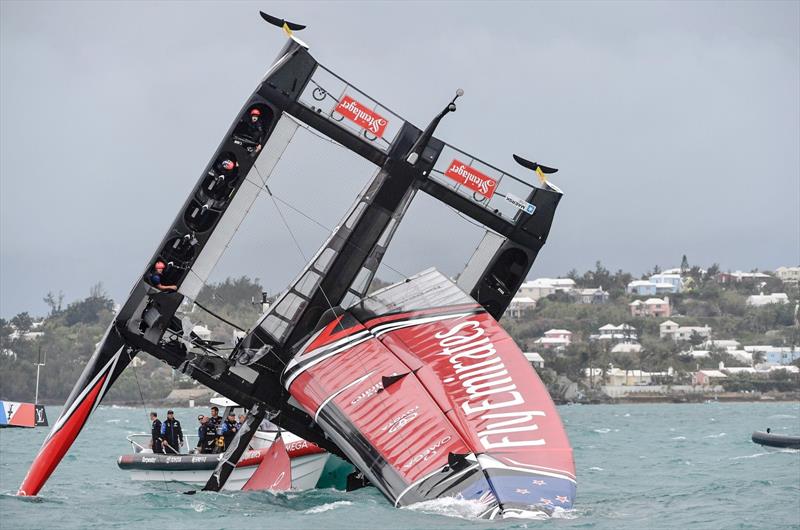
x: 417, y: 385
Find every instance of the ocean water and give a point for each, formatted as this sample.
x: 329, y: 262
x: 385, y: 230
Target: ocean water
x: 639, y: 466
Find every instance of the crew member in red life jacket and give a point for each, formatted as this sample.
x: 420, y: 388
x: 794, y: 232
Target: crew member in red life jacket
x: 155, y: 278
x: 255, y: 128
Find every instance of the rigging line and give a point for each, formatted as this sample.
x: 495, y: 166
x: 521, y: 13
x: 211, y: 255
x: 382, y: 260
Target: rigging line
x: 320, y: 136
x: 296, y: 242
x: 144, y: 407
x: 320, y: 224
x: 210, y: 312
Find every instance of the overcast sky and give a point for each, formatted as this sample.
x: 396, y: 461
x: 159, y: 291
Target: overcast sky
x: 676, y: 127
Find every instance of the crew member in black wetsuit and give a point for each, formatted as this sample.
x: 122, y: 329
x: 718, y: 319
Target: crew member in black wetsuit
x: 155, y: 278
x: 155, y: 433
x: 229, y: 429
x: 171, y: 434
x: 206, y: 436
x: 215, y: 429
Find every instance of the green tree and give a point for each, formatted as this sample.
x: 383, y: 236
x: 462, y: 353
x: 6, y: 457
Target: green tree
x: 22, y: 322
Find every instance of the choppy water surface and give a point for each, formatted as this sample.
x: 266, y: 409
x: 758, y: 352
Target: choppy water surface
x: 639, y: 466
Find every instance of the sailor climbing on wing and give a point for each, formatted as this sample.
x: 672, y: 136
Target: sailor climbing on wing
x: 157, y: 276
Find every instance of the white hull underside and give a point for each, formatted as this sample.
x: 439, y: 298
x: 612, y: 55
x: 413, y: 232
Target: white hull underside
x: 306, y: 471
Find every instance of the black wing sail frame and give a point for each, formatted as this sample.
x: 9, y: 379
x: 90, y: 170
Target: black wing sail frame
x: 297, y: 92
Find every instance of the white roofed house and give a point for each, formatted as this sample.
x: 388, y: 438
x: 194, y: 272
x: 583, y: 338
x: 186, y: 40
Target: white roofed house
x: 728, y: 344
x: 652, y: 307
x: 667, y: 283
x: 707, y: 377
x: 535, y: 359
x: 757, y: 300
x: 670, y: 329
x: 742, y: 277
x: 555, y: 339
x: 612, y: 333
x: 519, y: 306
x: 641, y: 288
x: 590, y: 296
x: 788, y: 274
x: 543, y: 287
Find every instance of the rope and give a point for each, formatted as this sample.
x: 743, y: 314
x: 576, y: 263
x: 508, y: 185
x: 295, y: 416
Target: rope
x: 296, y: 242
x: 144, y: 406
x: 320, y: 224
x: 210, y: 312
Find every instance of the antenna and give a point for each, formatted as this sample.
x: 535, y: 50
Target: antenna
x: 422, y: 142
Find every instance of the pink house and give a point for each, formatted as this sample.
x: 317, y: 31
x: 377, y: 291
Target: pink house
x: 652, y: 307
x: 555, y: 338
x: 707, y: 377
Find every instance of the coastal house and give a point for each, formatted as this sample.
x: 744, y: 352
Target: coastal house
x: 33, y: 333
x: 757, y: 300
x: 627, y: 347
x: 641, y: 288
x: 536, y: 360
x: 788, y: 274
x: 519, y: 306
x: 667, y: 283
x: 612, y: 333
x: 728, y: 344
x: 670, y: 329
x: 697, y: 354
x: 742, y: 277
x: 613, y: 376
x: 542, y: 287
x: 775, y: 355
x: 761, y: 369
x: 652, y: 307
x: 708, y: 377
x: 590, y: 296
x: 555, y: 339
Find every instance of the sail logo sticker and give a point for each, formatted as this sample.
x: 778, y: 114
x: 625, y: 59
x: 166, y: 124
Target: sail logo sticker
x: 471, y: 178
x: 362, y: 116
x: 489, y: 388
x: 518, y: 203
x: 429, y: 452
x: 371, y: 391
x: 402, y: 420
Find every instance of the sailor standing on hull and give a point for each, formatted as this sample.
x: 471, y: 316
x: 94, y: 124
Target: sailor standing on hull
x: 155, y: 433
x: 171, y: 434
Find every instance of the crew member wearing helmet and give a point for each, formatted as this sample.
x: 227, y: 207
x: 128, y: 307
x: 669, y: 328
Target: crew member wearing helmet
x: 225, y: 166
x: 155, y: 277
x: 251, y: 132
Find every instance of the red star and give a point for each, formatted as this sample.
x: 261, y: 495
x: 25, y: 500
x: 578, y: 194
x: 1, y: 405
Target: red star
x: 546, y: 502
x: 561, y: 499
x: 538, y: 482
x: 522, y: 491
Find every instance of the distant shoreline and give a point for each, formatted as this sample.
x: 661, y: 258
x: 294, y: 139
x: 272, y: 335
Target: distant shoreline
x: 678, y: 399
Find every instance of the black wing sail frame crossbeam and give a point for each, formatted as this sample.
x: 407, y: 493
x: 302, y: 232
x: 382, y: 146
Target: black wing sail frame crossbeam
x: 296, y: 91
